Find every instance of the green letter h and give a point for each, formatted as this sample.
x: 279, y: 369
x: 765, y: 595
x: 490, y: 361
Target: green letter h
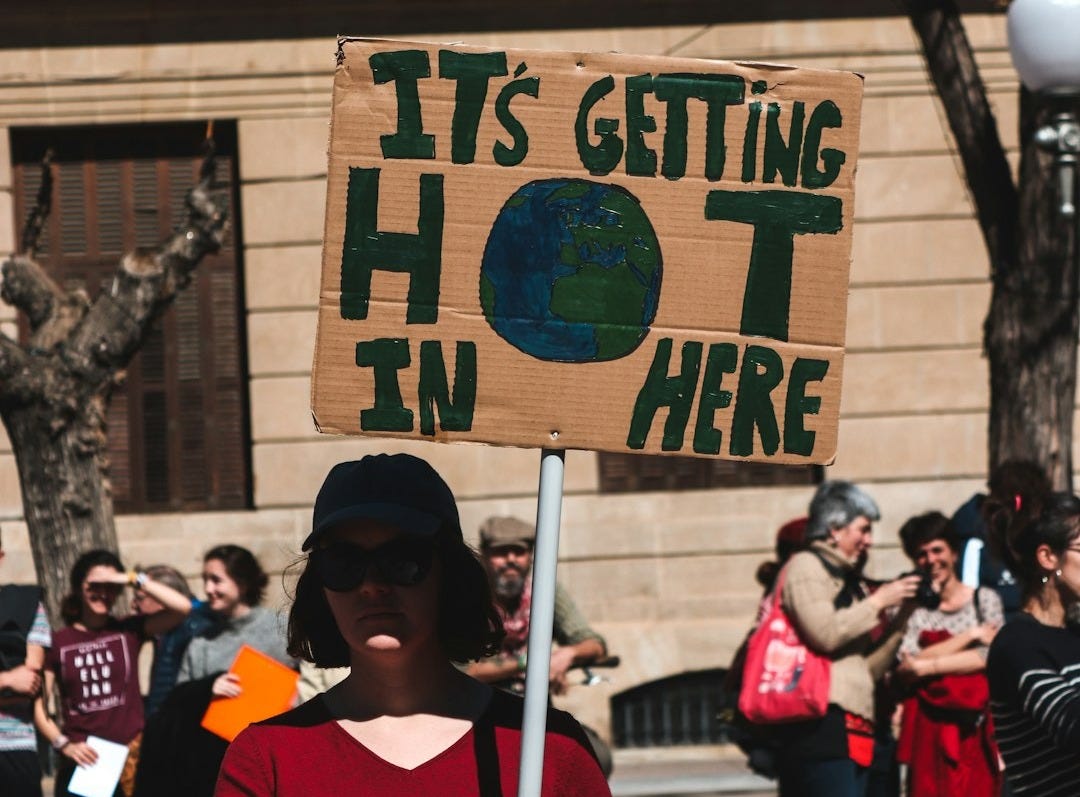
x: 367, y: 249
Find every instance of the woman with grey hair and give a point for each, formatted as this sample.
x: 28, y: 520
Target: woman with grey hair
x: 836, y: 504
x: 827, y: 600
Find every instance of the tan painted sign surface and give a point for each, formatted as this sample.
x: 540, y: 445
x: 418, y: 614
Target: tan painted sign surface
x: 572, y: 250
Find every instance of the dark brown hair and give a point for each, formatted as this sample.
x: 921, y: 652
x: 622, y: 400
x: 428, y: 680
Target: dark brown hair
x: 1018, y: 489
x: 72, y: 603
x: 243, y: 568
x: 919, y: 530
x: 469, y: 625
x: 1057, y: 526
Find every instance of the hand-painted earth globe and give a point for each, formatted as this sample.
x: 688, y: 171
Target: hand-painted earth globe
x: 571, y: 271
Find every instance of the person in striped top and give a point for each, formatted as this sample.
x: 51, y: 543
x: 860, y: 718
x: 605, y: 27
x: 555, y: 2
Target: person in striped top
x: 1034, y: 661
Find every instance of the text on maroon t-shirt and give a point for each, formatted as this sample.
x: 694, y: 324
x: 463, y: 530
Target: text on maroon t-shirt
x: 99, y: 681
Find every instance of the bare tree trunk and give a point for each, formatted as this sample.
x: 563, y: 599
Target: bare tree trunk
x: 1030, y: 332
x: 61, y: 462
x: 54, y: 391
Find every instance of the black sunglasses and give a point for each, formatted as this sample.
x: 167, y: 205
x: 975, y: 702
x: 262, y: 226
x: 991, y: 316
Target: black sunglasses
x: 403, y: 562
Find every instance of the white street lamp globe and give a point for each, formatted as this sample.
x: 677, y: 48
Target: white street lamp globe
x: 1044, y: 40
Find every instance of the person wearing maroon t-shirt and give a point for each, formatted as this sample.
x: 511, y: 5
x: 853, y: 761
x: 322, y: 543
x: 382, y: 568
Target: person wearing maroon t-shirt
x: 94, y: 659
x: 390, y: 588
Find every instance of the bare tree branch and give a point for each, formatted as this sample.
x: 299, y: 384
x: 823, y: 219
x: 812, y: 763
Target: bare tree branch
x: 205, y: 229
x: 145, y: 283
x: 40, y: 212
x: 952, y: 66
x: 51, y: 312
x: 27, y: 287
x: 12, y: 357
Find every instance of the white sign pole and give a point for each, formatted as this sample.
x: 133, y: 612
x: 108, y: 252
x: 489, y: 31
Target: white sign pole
x: 541, y: 620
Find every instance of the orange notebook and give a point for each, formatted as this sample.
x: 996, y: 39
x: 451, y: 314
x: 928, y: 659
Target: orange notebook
x: 269, y: 687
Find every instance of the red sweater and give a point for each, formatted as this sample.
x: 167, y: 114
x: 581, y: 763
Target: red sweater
x: 305, y: 753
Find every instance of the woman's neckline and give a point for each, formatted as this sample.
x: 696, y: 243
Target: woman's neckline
x: 968, y: 601
x: 465, y: 716
x: 467, y: 703
x: 466, y: 735
x: 1043, y: 623
x: 79, y: 625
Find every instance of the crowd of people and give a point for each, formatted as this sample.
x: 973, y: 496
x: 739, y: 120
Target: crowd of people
x: 90, y: 665
x: 411, y: 650
x: 391, y: 613
x: 966, y: 670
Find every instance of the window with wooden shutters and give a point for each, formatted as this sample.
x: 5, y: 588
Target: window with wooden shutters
x: 178, y: 426
x: 626, y: 473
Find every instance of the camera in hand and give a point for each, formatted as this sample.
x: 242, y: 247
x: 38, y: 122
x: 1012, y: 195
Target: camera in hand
x: 926, y: 596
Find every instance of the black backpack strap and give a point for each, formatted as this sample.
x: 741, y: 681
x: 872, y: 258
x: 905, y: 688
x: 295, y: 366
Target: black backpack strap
x: 487, y: 755
x: 978, y: 608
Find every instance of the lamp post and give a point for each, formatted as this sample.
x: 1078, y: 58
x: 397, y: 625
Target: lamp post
x: 1044, y: 42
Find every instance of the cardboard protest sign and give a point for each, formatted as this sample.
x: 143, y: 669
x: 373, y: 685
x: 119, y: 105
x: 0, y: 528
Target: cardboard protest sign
x: 593, y: 251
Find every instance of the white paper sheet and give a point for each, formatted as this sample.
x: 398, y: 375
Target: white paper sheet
x: 100, y: 780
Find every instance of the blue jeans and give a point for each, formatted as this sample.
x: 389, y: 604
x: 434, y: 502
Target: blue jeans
x: 832, y: 777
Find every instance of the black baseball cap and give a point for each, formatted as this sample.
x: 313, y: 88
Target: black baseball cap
x: 399, y: 489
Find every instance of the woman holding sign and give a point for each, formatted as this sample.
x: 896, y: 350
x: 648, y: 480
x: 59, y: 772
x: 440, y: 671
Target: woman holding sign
x: 182, y: 757
x: 235, y: 584
x: 94, y: 660
x: 390, y: 587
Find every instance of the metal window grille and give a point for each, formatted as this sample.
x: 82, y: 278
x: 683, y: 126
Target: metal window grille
x: 681, y: 710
